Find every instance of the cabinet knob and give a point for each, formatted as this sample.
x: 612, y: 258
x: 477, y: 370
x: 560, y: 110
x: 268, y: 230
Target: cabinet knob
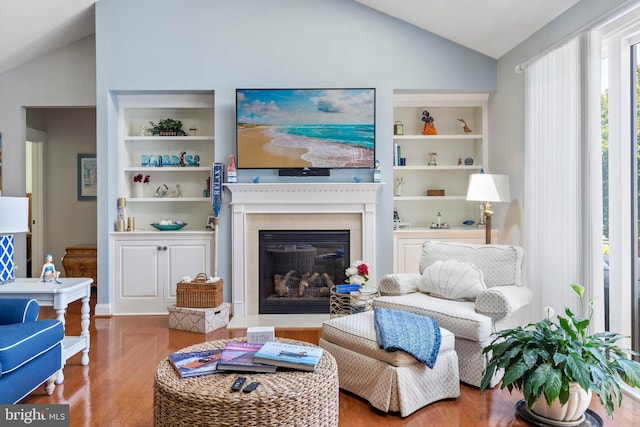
x: 159, y: 248
x: 164, y: 248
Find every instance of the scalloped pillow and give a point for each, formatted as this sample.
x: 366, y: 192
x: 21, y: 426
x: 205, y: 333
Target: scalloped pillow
x: 452, y: 279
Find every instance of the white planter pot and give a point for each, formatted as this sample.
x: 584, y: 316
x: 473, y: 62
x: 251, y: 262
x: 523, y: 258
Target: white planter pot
x: 573, y: 410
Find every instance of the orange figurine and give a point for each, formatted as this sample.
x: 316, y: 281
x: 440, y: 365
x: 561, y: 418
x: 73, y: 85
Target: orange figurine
x: 428, y: 128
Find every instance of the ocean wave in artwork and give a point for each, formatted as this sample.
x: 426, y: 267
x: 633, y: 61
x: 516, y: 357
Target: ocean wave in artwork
x: 324, y: 152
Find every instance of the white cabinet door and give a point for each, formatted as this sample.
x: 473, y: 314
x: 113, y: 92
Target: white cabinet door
x: 147, y: 269
x: 185, y: 258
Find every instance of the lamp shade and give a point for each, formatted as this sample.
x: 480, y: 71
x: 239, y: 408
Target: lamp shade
x: 14, y: 215
x: 487, y: 187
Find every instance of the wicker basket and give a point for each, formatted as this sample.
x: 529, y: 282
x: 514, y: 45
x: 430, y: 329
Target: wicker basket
x: 198, y: 293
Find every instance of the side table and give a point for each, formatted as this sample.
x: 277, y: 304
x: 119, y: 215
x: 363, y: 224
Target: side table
x: 285, y: 398
x: 58, y: 296
x: 353, y: 302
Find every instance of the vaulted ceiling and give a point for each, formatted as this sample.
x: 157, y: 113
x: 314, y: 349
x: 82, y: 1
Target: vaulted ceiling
x: 31, y: 28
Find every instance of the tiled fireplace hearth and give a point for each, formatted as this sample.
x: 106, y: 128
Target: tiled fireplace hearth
x: 295, y: 206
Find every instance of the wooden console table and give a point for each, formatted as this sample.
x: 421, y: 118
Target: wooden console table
x: 81, y: 261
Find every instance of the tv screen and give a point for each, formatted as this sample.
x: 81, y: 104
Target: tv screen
x: 305, y: 128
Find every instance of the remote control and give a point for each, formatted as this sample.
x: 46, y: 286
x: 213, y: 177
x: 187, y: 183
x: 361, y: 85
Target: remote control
x: 251, y: 387
x: 237, y: 385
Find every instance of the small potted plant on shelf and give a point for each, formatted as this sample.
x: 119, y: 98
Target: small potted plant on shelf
x: 167, y: 127
x: 551, y: 362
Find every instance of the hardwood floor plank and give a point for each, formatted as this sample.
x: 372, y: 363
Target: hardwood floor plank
x: 116, y: 389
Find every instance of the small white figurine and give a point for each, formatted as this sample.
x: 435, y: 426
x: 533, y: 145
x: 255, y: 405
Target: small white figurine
x: 432, y: 159
x: 49, y: 271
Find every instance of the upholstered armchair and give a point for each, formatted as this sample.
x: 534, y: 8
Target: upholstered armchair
x: 470, y: 290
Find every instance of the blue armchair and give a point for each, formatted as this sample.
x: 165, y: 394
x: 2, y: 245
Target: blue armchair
x: 30, y: 349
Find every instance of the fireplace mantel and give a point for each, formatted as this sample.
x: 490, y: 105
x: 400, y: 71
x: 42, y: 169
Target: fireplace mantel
x: 325, y: 200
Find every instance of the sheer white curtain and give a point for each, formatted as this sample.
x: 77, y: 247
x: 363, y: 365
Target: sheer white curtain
x: 563, y: 202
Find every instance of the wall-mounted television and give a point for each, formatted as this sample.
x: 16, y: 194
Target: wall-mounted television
x: 305, y: 128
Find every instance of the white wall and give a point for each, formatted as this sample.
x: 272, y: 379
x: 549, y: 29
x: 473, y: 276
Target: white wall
x: 63, y: 78
x: 223, y: 45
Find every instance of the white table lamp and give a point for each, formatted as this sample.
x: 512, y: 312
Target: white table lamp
x: 14, y: 218
x: 487, y: 188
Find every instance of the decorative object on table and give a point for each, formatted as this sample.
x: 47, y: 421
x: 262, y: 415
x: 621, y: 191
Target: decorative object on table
x: 167, y: 127
x: 358, y: 273
x: 468, y: 222
x: 131, y: 224
x: 200, y: 292
x: 487, y: 188
x: 49, y: 272
x: 377, y: 173
x: 256, y: 179
x: 200, y: 320
x: 87, y: 177
x: 168, y: 225
x: 432, y: 159
x: 231, y: 169
x: 548, y: 359
x: 400, y: 181
x: 468, y: 161
x: 14, y: 218
x: 357, y: 180
x: 138, y: 184
x: 435, y: 192
x: 465, y: 128
x: 260, y: 334
x: 428, y: 128
x: 300, y: 357
x: 195, y: 363
x: 398, y: 128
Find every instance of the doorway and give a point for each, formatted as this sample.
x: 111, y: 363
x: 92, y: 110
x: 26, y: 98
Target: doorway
x: 34, y: 184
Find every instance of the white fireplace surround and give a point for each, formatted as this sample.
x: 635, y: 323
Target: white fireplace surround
x: 288, y: 206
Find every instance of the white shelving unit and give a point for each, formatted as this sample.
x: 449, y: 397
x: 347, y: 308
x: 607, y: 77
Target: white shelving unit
x: 452, y: 145
x: 196, y: 111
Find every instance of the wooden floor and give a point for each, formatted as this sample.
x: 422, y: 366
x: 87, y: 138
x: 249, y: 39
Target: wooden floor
x: 116, y: 389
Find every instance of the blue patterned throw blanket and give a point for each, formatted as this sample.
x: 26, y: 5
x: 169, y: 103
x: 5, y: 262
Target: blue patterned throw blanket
x: 413, y: 333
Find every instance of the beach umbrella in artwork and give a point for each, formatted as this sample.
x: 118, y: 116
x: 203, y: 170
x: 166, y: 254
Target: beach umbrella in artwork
x: 216, y: 201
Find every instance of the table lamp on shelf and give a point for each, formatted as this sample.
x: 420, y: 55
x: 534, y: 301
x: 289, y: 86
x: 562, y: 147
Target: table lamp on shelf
x: 487, y: 188
x: 14, y: 218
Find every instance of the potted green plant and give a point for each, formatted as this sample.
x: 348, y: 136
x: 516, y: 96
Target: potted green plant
x: 167, y: 127
x: 547, y: 359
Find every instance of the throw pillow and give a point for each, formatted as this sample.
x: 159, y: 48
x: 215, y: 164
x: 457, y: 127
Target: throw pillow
x: 452, y: 279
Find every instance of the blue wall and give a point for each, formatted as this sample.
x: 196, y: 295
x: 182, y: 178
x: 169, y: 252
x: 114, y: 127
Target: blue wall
x: 224, y: 45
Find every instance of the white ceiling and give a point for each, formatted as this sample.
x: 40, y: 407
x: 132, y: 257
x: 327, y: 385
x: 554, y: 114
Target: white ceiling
x: 31, y: 28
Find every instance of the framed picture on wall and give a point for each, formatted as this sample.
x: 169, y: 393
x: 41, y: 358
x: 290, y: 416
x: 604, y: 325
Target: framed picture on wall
x: 87, y: 177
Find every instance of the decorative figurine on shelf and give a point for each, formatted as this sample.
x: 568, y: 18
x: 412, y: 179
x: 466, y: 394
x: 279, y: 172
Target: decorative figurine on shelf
x: 428, y: 128
x: 465, y: 128
x: 49, y: 272
x: 432, y: 159
x: 182, y: 162
x: 399, y: 183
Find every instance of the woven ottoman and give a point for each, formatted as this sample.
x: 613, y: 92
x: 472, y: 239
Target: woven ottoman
x: 391, y: 382
x: 285, y: 398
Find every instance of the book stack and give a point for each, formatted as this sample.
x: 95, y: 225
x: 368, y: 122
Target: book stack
x: 292, y: 356
x: 195, y: 363
x: 238, y: 356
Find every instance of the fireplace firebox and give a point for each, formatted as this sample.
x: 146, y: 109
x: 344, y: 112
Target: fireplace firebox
x: 298, y: 267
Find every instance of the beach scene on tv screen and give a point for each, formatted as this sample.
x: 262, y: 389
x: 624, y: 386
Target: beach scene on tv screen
x: 305, y: 128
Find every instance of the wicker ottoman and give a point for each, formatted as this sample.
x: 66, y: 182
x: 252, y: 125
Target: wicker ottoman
x: 285, y: 398
x: 391, y: 382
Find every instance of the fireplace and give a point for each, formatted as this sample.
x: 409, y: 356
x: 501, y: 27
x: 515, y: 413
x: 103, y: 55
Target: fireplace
x: 298, y: 267
x: 295, y: 206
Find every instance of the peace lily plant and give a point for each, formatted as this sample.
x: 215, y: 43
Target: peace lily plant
x: 544, y: 358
